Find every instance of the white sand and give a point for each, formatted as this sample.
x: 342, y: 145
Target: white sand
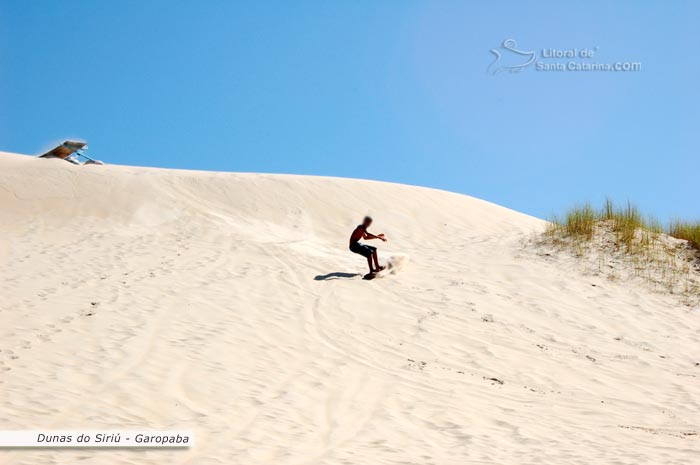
x: 145, y: 298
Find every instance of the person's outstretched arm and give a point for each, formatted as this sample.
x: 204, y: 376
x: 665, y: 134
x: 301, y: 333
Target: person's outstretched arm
x: 369, y: 236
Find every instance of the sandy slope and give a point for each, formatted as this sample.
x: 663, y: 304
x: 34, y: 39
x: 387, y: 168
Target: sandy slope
x: 226, y: 304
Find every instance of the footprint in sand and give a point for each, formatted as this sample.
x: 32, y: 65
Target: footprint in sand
x: 431, y: 314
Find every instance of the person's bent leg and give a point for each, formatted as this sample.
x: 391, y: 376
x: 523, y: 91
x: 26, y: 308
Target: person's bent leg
x: 369, y: 262
x: 376, y: 262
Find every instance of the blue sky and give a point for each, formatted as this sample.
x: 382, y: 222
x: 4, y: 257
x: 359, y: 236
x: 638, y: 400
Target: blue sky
x: 388, y: 90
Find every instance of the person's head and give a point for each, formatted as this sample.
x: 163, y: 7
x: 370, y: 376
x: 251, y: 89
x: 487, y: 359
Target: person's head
x: 367, y: 221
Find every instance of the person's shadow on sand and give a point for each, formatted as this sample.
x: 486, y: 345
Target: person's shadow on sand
x: 335, y: 275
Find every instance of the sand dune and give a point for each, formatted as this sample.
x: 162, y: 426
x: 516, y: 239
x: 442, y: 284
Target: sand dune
x: 229, y: 304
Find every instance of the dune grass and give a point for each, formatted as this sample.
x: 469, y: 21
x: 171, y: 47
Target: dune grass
x: 631, y: 228
x: 686, y: 230
x: 640, y: 241
x: 629, y: 224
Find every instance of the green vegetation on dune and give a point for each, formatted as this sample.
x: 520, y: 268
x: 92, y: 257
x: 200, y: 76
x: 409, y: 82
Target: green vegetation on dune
x: 687, y: 231
x: 625, y: 242
x: 631, y: 228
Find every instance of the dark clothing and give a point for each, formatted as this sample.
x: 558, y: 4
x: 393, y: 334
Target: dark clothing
x: 362, y: 249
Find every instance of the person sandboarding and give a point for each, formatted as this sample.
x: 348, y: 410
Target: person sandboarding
x: 367, y: 251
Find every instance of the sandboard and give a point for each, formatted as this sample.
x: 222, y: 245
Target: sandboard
x: 376, y: 274
x: 392, y: 266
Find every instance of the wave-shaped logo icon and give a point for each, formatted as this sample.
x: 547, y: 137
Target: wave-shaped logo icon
x: 509, y: 58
